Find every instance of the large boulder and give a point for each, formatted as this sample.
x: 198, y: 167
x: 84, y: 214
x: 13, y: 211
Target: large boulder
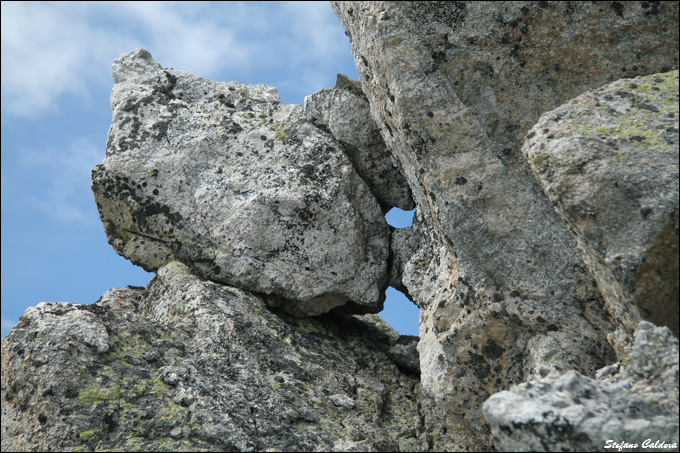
x: 240, y: 187
x: 454, y: 87
x: 608, y: 160
x: 192, y: 365
x: 630, y: 408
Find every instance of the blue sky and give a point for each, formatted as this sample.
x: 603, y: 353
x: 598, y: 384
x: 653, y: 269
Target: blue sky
x: 56, y: 83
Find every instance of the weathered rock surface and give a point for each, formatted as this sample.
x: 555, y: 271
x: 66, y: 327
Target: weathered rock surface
x: 344, y: 111
x: 240, y: 187
x: 454, y: 86
x: 632, y: 403
x: 250, y: 211
x: 192, y: 365
x: 608, y: 160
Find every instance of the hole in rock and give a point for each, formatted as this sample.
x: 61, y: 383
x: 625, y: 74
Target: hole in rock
x: 400, y: 312
x: 398, y: 218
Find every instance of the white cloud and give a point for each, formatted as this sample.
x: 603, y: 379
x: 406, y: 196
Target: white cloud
x: 49, y: 49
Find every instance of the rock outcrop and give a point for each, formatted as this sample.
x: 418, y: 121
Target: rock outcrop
x: 630, y: 404
x: 344, y: 111
x: 191, y: 365
x: 263, y: 222
x: 608, y: 160
x: 454, y: 86
x: 240, y: 187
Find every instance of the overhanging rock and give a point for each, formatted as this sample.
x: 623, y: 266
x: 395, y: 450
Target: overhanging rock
x: 240, y: 187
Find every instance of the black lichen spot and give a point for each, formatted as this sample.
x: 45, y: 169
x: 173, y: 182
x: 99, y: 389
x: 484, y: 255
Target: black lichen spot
x: 156, y: 192
x: 492, y: 350
x: 498, y: 297
x: 618, y: 8
x: 553, y: 328
x: 652, y: 8
x: 42, y: 419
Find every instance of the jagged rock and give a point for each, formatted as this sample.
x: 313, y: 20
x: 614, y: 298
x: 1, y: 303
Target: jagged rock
x: 454, y: 86
x: 239, y: 186
x: 344, y: 111
x: 191, y: 365
x: 638, y: 405
x: 608, y: 160
x: 403, y: 244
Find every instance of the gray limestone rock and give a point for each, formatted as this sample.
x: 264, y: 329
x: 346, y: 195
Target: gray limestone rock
x: 454, y: 87
x: 608, y: 160
x: 239, y: 186
x: 192, y: 365
x: 636, y: 404
x: 344, y: 111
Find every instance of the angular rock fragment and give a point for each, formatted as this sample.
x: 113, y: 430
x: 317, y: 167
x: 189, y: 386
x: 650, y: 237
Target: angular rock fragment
x: 454, y: 87
x: 240, y: 187
x: 608, y: 160
x: 192, y: 365
x: 344, y: 111
x: 636, y: 403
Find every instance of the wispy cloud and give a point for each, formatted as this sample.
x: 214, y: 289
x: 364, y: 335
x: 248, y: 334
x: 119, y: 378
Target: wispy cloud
x: 49, y: 49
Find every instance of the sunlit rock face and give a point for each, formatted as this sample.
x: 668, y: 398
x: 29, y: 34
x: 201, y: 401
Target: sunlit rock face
x: 240, y: 187
x: 454, y: 86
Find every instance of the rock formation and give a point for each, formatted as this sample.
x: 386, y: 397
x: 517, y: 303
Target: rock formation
x: 263, y: 222
x: 608, y: 160
x: 344, y: 111
x: 628, y: 404
x: 239, y: 186
x: 454, y: 86
x: 191, y: 365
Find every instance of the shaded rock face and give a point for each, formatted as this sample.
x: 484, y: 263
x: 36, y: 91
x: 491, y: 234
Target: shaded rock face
x: 608, y: 160
x: 191, y: 365
x: 240, y: 187
x: 630, y: 403
x: 454, y: 86
x: 344, y: 111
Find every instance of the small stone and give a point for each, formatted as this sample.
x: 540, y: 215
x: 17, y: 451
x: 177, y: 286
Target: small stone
x: 341, y: 400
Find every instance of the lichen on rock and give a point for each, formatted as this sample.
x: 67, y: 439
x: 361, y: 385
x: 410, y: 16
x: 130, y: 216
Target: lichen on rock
x: 608, y: 160
x: 192, y: 365
x: 629, y: 404
x: 240, y: 187
x: 263, y: 222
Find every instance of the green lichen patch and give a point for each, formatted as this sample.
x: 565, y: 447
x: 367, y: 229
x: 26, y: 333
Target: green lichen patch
x: 95, y: 394
x: 650, y: 111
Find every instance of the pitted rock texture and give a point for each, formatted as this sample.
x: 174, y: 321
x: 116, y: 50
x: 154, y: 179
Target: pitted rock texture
x: 608, y: 160
x: 344, y: 111
x: 636, y: 403
x: 192, y: 365
x: 238, y: 186
x: 454, y: 87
